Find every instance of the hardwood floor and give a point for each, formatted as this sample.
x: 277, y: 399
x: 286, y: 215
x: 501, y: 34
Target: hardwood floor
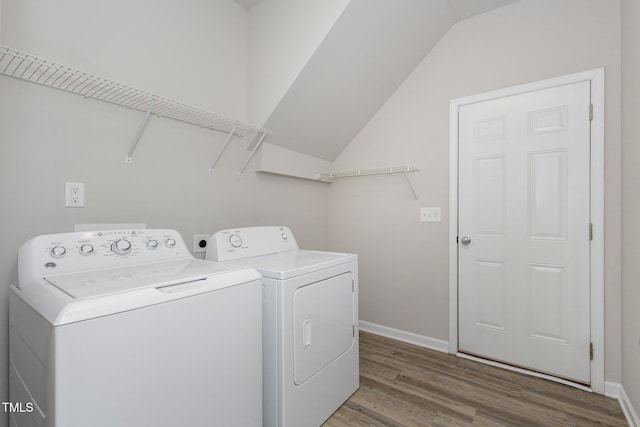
x: 406, y: 385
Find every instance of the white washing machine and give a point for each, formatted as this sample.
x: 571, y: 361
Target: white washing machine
x: 310, y: 321
x: 126, y: 328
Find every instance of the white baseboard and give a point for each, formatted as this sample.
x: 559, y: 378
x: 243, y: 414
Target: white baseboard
x: 616, y: 391
x: 628, y: 409
x: 404, y: 336
x: 612, y: 389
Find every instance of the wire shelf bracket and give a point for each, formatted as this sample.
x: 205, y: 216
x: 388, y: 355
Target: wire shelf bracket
x: 226, y: 141
x: 404, y: 170
x: 139, y: 134
x: 252, y: 153
x: 413, y: 191
x: 24, y: 66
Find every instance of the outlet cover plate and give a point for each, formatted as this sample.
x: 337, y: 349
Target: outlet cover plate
x: 197, y: 246
x: 74, y: 195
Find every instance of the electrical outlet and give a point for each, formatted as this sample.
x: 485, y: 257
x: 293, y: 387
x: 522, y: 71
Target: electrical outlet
x: 74, y: 195
x: 430, y: 215
x: 200, y: 243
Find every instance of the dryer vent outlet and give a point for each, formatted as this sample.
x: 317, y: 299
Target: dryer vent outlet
x: 200, y: 243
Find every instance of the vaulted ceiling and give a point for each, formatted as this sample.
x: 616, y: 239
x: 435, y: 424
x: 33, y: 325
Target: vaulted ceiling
x: 248, y: 4
x: 461, y: 9
x: 366, y: 54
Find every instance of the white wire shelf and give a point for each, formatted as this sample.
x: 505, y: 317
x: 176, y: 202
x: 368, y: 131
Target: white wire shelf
x: 14, y: 63
x: 330, y: 176
x: 366, y: 172
x: 24, y: 66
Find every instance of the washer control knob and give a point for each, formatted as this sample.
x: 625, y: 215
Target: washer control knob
x: 86, y: 249
x: 121, y: 247
x: 58, y: 251
x: 152, y: 244
x: 170, y: 242
x: 284, y: 236
x: 235, y: 240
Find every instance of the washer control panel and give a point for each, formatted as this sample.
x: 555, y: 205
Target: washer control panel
x: 80, y: 251
x: 248, y: 242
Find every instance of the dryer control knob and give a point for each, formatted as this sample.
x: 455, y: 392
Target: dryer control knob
x: 284, y: 236
x: 121, y: 247
x: 86, y: 249
x: 58, y: 251
x: 152, y: 244
x: 170, y: 242
x: 235, y: 240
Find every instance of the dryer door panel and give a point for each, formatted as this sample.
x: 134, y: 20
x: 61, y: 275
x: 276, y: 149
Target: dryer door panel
x: 323, y: 324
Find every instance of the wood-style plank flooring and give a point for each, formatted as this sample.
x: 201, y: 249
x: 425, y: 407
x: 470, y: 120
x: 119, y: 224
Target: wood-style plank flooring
x: 406, y: 385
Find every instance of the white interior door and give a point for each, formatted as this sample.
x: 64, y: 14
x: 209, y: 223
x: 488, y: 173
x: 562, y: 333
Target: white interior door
x: 524, y: 206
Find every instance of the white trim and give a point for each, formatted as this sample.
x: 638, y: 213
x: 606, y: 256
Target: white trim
x: 404, y: 336
x: 596, y: 77
x: 524, y: 371
x: 612, y: 389
x: 453, y: 226
x: 597, y: 219
x: 629, y: 411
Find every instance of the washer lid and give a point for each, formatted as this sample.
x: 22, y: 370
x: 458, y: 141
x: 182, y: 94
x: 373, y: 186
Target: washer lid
x: 285, y: 265
x: 74, y: 297
x: 105, y: 282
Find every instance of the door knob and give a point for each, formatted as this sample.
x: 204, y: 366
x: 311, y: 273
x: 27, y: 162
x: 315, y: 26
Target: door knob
x: 465, y: 240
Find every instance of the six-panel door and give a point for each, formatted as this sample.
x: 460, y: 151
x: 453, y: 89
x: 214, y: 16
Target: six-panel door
x: 524, y: 204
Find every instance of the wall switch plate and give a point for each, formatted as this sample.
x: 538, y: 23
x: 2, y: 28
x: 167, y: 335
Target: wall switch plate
x: 200, y: 243
x: 430, y: 215
x: 74, y: 195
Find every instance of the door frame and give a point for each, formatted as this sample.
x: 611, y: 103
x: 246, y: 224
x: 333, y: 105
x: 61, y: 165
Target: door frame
x: 596, y: 77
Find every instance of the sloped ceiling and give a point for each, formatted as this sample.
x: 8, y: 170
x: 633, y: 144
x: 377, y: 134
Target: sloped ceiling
x: 248, y: 4
x: 464, y: 9
x: 370, y: 50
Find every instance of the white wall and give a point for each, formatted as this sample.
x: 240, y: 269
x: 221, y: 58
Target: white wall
x: 193, y: 51
x: 404, y: 263
x: 283, y: 35
x: 631, y: 200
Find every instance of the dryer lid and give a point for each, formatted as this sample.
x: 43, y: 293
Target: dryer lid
x: 91, y: 284
x: 295, y: 263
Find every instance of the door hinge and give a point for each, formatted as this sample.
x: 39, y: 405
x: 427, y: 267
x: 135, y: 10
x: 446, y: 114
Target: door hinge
x: 590, y: 112
x: 353, y: 331
x: 457, y: 239
x: 590, y: 351
x: 353, y: 285
x: 590, y: 231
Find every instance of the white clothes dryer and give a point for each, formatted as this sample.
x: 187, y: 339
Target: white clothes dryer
x: 310, y: 322
x: 125, y: 328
